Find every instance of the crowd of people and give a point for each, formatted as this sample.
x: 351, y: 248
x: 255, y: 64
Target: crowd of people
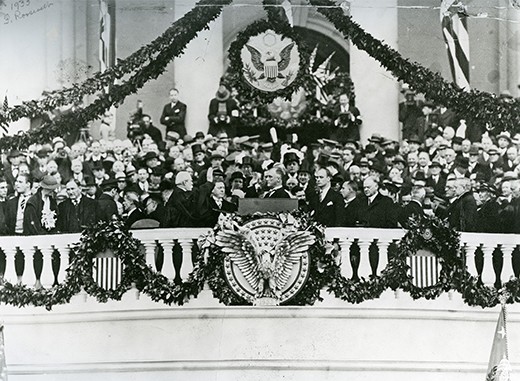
x: 176, y: 180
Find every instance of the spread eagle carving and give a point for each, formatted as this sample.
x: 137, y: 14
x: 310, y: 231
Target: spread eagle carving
x: 267, y: 271
x: 270, y: 62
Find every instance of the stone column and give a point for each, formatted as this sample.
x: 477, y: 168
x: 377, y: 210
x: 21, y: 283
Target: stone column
x: 197, y: 72
x: 377, y: 91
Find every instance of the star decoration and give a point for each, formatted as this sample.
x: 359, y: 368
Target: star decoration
x: 502, y: 332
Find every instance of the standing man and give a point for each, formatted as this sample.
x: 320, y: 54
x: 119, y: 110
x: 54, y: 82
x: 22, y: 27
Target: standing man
x: 378, y: 211
x: 15, y: 206
x: 327, y: 204
x: 174, y: 114
x: 77, y: 211
x: 463, y: 211
x: 274, y: 182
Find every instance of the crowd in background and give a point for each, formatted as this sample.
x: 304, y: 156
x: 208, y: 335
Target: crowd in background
x: 172, y: 179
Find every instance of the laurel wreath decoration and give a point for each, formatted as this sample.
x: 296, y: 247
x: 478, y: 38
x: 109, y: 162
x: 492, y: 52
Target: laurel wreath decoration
x: 324, y: 272
x: 322, y: 267
x: 236, y: 68
x: 430, y: 234
x: 106, y: 235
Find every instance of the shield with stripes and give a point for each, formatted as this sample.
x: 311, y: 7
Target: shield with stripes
x: 108, y: 270
x: 424, y: 268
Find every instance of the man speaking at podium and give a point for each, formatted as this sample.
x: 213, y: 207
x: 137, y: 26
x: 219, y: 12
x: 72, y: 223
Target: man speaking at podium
x: 274, y: 181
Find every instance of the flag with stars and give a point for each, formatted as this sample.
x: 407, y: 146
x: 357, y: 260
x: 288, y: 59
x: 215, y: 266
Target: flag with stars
x: 499, y: 367
x: 3, y: 366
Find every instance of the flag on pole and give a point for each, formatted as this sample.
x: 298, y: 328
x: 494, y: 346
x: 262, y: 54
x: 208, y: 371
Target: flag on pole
x: 455, y: 33
x: 3, y: 366
x: 106, y: 34
x: 499, y: 367
x: 288, y: 12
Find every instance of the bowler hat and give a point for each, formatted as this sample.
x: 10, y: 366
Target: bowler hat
x: 414, y: 139
x: 216, y: 156
x: 237, y: 175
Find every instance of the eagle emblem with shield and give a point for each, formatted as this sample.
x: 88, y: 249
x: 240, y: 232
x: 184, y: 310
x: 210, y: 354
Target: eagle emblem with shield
x: 267, y: 262
x: 270, y: 61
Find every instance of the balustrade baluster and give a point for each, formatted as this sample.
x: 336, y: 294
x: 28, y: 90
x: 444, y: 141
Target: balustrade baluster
x: 64, y: 250
x: 470, y: 249
x: 346, y: 265
x: 187, y: 262
x: 47, y: 275
x: 10, y: 269
x: 167, y: 268
x: 507, y: 267
x: 29, y: 275
x: 488, y: 273
x: 150, y: 247
x: 382, y: 245
x: 364, y: 261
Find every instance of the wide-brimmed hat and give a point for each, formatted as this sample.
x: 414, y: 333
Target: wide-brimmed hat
x: 504, y: 135
x: 237, y: 175
x: 216, y: 155
x: 222, y: 95
x: 49, y: 182
x: 414, y: 139
x: 376, y: 138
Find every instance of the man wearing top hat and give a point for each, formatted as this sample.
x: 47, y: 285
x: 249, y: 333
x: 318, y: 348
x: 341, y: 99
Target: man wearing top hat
x: 174, y: 114
x: 437, y: 179
x: 41, y: 210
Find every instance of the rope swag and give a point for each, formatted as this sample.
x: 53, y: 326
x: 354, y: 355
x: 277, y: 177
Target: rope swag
x: 158, y: 54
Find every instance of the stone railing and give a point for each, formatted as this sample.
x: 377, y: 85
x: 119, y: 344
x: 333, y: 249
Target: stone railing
x: 362, y: 252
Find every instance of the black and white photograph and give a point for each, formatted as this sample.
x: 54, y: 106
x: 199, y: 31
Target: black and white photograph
x: 242, y: 190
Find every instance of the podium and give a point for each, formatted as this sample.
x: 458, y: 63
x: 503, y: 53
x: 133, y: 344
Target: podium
x: 266, y: 205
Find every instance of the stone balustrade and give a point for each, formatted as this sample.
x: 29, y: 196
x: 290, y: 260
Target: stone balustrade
x: 363, y: 252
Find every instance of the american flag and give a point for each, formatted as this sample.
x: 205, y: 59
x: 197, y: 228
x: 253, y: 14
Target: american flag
x: 3, y: 366
x: 106, y: 34
x: 455, y: 31
x: 322, y: 75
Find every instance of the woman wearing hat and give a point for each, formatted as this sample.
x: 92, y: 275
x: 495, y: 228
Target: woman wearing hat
x: 223, y: 110
x: 41, y: 210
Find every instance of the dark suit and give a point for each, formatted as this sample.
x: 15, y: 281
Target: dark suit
x: 180, y: 209
x: 214, y: 110
x: 107, y: 207
x: 74, y: 218
x: 11, y: 210
x: 134, y: 216
x: 411, y: 210
x: 487, y: 218
x: 176, y: 115
x: 351, y: 213
x: 32, y: 218
x: 210, y: 212
x: 346, y: 128
x: 462, y: 213
x: 381, y: 213
x: 278, y: 193
x: 439, y: 186
x: 330, y: 211
x: 3, y: 221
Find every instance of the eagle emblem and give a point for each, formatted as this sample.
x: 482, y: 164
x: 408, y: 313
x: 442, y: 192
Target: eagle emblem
x: 270, y: 66
x: 270, y: 61
x: 267, y: 268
